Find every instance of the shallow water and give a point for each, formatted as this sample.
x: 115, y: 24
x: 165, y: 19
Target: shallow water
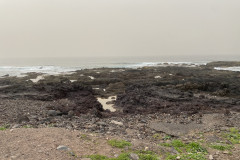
x: 235, y: 69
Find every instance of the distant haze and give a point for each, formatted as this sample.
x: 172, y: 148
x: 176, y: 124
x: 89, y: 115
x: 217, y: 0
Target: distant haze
x: 77, y: 28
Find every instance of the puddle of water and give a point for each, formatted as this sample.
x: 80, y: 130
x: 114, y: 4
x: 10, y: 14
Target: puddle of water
x: 106, y: 106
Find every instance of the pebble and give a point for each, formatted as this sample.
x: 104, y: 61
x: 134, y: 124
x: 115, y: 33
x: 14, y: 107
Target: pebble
x: 13, y: 157
x: 134, y: 156
x: 178, y: 157
x: 63, y: 148
x: 70, y: 113
x: 85, y: 158
x: 210, y: 157
x: 102, y: 123
x: 52, y: 113
x: 117, y: 123
x: 16, y: 126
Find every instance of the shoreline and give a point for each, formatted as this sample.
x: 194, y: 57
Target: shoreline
x: 181, y: 103
x: 22, y: 71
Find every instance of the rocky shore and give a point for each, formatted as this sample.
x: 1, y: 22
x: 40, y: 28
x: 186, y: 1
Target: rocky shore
x: 179, y: 102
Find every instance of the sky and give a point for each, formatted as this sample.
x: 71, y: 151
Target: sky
x: 90, y: 28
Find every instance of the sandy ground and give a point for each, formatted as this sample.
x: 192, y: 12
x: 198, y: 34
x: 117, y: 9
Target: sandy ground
x: 104, y: 101
x: 42, y: 143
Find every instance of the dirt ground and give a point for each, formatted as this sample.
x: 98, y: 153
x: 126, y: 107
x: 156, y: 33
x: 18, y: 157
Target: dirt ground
x: 42, y: 143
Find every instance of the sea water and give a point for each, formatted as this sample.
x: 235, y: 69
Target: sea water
x: 21, y: 66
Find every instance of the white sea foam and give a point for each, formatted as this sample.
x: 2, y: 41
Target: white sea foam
x: 165, y: 64
x: 53, y: 70
x: 22, y: 71
x: 236, y: 69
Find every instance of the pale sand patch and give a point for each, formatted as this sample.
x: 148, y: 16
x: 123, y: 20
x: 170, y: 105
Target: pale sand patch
x: 157, y: 77
x: 42, y: 143
x: 104, y: 101
x: 91, y: 77
x: 38, y: 78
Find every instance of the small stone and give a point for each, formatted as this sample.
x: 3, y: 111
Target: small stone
x: 225, y: 152
x: 178, y: 157
x: 13, y: 157
x: 102, y: 123
x: 134, y: 156
x: 70, y: 113
x: 117, y: 123
x: 210, y: 157
x: 15, y: 126
x: 22, y: 118
x: 72, y: 153
x: 52, y: 113
x: 85, y: 158
x: 63, y: 148
x: 174, y: 151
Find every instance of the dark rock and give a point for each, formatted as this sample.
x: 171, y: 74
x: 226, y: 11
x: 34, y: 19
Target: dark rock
x: 22, y: 118
x: 63, y: 148
x: 52, y: 113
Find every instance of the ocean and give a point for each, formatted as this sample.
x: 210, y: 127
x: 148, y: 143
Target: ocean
x: 21, y: 66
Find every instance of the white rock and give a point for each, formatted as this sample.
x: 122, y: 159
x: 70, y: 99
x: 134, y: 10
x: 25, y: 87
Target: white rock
x: 91, y: 77
x: 210, y: 157
x: 157, y: 77
x: 117, y: 123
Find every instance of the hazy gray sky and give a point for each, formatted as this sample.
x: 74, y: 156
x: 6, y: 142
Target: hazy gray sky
x: 48, y: 28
